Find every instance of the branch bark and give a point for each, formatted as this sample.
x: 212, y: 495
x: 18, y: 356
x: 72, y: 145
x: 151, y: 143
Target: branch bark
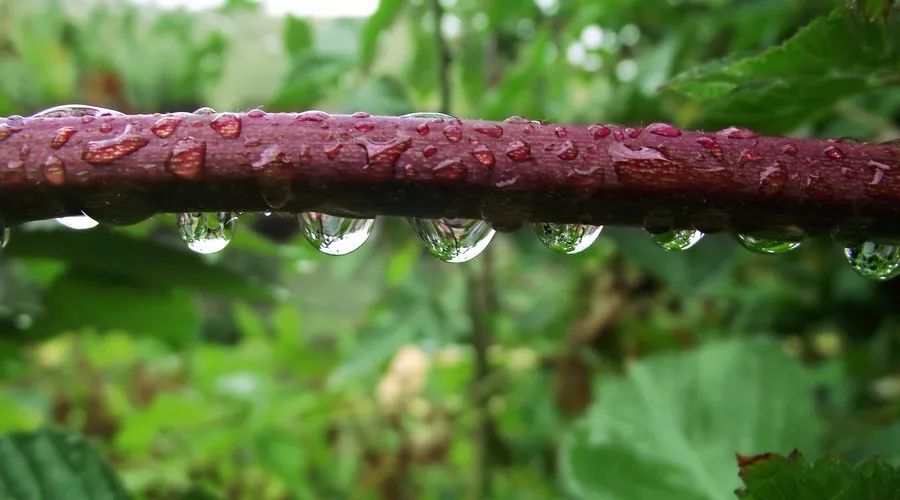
x: 116, y: 168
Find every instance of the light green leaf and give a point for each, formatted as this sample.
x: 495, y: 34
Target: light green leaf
x: 51, y: 465
x: 297, y: 35
x: 378, y: 22
x: 671, y: 426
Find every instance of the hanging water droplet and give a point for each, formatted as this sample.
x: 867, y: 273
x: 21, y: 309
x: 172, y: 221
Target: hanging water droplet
x: 78, y: 222
x: 876, y: 261
x: 207, y: 232
x: 453, y: 240
x: 676, y: 239
x: 334, y: 235
x: 765, y: 245
x: 567, y: 238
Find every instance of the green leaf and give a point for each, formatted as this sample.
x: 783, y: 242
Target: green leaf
x: 376, y: 23
x: 79, y: 301
x: 834, y: 57
x: 143, y: 261
x: 775, y: 477
x: 49, y: 465
x: 671, y: 426
x: 297, y: 35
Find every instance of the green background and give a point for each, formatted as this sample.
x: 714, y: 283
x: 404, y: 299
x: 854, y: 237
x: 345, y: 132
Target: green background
x: 271, y: 371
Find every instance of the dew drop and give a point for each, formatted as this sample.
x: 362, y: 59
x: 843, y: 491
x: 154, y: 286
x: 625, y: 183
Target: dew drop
x: 834, y: 153
x: 676, y: 239
x: 567, y: 151
x: 110, y: 150
x: 663, y: 129
x: 228, y: 125
x: 70, y: 110
x: 334, y: 235
x: 567, y: 238
x: 765, y: 245
x: 381, y: 156
x: 429, y: 151
x: 364, y: 126
x: 207, y: 232
x: 62, y: 137
x: 188, y: 158
x: 333, y: 150
x: 430, y: 116
x: 453, y: 132
x: 78, y: 222
x: 518, y: 120
x: 712, y: 146
x: 772, y: 180
x: 518, y: 151
x: 490, y: 130
x: 737, y: 133
x: 54, y: 170
x: 789, y: 149
x: 561, y: 132
x: 360, y: 114
x: 598, y: 131
x: 256, y: 113
x: 105, y: 128
x: 312, y: 116
x: 453, y: 240
x: 423, y: 128
x: 451, y: 169
x: 272, y: 156
x: 483, y: 155
x: 633, y: 132
x: 876, y: 261
x: 205, y: 110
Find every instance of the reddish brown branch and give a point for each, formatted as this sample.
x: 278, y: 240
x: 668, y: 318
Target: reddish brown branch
x: 118, y: 168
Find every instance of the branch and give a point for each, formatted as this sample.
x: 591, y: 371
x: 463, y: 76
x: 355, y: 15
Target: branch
x: 121, y: 167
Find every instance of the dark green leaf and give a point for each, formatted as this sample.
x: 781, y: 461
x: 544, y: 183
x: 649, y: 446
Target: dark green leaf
x: 375, y: 25
x: 51, y: 465
x: 297, y: 35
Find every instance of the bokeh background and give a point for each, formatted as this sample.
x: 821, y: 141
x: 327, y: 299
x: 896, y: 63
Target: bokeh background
x: 270, y: 371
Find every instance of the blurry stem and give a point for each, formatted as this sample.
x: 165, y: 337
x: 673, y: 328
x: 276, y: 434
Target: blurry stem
x: 482, y: 303
x: 443, y: 69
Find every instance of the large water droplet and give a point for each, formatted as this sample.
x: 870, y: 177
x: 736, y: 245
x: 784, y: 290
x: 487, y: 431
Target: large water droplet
x: 518, y: 151
x: 334, y: 235
x: 876, y: 261
x: 453, y: 132
x: 67, y: 110
x: 490, y: 130
x: 62, y: 137
x: 567, y: 238
x: 663, y: 129
x: 207, y: 232
x: 165, y: 126
x: 429, y: 116
x: 453, y: 240
x: 78, y: 222
x: 676, y: 239
x: 598, y: 131
x: 188, y: 158
x: 228, y: 125
x: 765, y: 245
x: 110, y: 150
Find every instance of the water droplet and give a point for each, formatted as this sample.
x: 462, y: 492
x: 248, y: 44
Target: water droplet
x: 834, y: 153
x: 518, y: 151
x: 24, y: 151
x: 360, y: 114
x: 567, y: 151
x: 364, y: 127
x: 453, y: 132
x: 453, y: 240
x: 228, y: 125
x: 737, y: 133
x: 334, y: 235
x: 4, y: 236
x: 765, y: 245
x: 490, y: 130
x: 598, y: 131
x: 663, y: 129
x: 789, y: 149
x: 880, y: 170
x: 518, y: 120
x: 430, y: 116
x: 382, y: 156
x: 207, y: 232
x: 62, y: 137
x: 333, y: 150
x: 451, y: 169
x: 712, y: 146
x: 567, y: 238
x: 105, y: 128
x: 772, y: 180
x: 7, y: 129
x: 483, y: 155
x: 70, y: 110
x: 423, y: 128
x: 619, y: 135
x: 677, y: 239
x: 188, y: 158
x: 633, y: 132
x: 78, y: 222
x: 876, y: 261
x: 312, y: 116
x: 205, y: 110
x: 561, y: 132
x: 256, y: 113
x: 429, y: 151
x: 54, y: 170
x: 110, y: 150
x: 272, y: 156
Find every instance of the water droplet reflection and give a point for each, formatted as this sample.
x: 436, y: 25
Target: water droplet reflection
x: 334, y: 235
x: 453, y: 240
x: 207, y: 232
x: 567, y: 238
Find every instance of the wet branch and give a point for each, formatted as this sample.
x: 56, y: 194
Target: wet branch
x: 118, y: 168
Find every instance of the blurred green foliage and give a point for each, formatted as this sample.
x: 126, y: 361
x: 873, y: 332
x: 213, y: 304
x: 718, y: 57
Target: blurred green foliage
x: 270, y: 371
